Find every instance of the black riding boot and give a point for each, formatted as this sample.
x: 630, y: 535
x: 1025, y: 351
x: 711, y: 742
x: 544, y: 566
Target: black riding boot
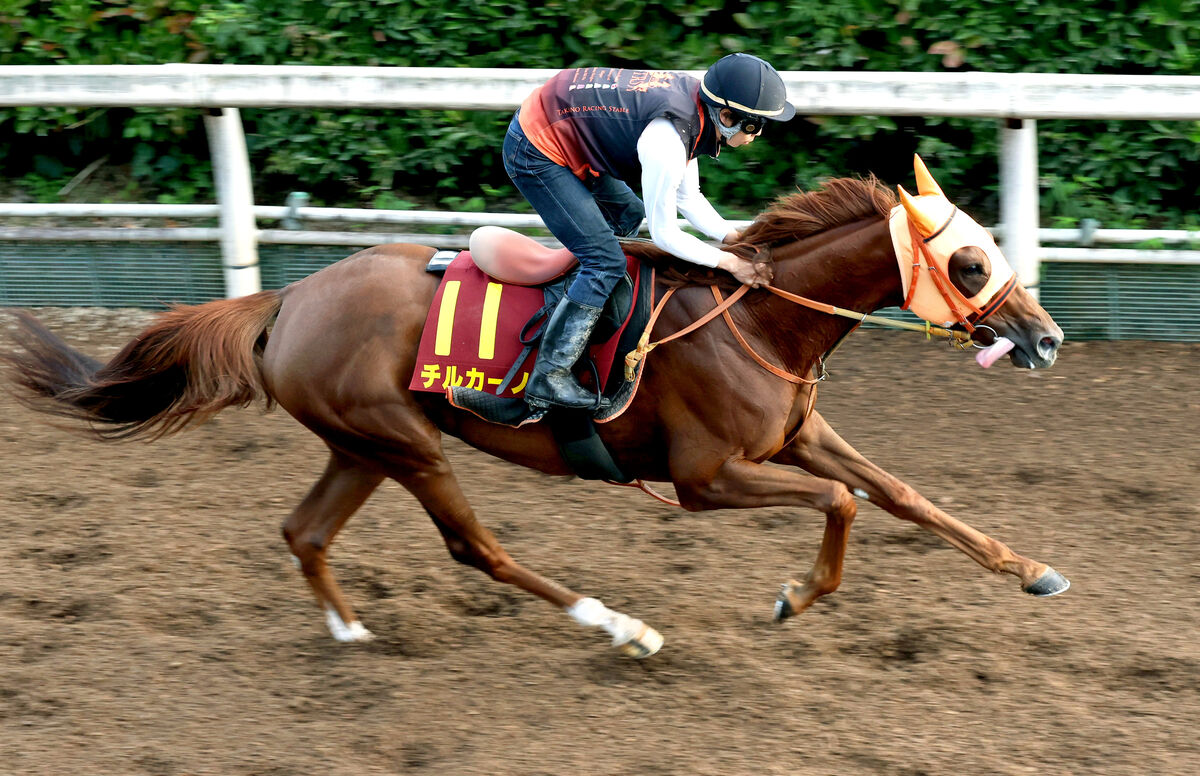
x: 563, y: 341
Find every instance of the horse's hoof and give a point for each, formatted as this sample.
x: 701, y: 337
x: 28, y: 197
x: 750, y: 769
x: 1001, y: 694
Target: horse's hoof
x: 783, y: 606
x: 353, y: 633
x: 644, y: 644
x: 343, y: 632
x: 1049, y: 583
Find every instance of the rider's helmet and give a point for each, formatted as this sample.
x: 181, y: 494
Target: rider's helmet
x: 750, y: 88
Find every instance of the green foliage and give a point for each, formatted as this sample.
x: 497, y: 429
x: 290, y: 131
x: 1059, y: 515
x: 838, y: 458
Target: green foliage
x: 1121, y: 173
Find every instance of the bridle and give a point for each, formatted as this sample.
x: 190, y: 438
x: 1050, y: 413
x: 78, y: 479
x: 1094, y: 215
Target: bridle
x: 974, y: 316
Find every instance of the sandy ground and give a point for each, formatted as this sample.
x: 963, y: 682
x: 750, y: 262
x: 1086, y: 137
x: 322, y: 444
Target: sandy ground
x: 151, y: 621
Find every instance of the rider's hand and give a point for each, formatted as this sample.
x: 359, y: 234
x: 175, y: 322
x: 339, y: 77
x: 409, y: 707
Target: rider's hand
x: 731, y: 238
x: 747, y: 272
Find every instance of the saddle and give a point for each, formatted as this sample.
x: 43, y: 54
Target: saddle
x: 511, y: 257
x: 514, y: 259
x: 493, y: 301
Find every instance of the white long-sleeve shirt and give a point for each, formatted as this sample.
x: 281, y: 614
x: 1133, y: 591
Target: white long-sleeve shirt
x: 671, y: 184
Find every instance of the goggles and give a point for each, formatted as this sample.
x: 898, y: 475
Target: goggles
x: 751, y: 125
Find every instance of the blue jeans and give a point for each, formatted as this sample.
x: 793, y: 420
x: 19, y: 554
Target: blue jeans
x: 585, y: 217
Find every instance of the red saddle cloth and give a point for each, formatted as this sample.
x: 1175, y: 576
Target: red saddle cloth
x: 472, y: 333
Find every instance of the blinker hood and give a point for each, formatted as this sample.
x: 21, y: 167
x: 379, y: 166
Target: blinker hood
x: 943, y: 229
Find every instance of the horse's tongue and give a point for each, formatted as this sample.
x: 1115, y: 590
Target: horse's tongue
x: 992, y: 353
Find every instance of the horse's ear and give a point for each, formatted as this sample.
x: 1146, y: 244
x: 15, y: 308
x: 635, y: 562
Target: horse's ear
x: 918, y: 219
x: 925, y: 182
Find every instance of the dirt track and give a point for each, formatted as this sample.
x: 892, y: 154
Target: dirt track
x: 151, y: 621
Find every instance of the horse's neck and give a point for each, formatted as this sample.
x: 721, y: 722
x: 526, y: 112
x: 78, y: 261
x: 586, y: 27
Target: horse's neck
x: 852, y: 267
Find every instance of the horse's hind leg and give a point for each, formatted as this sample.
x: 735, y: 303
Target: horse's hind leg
x: 471, y: 543
x: 310, y: 529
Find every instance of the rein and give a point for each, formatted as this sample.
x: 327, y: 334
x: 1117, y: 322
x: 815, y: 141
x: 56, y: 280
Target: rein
x: 633, y: 358
x: 958, y: 338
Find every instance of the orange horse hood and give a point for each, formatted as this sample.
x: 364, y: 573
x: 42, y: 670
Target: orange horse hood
x: 944, y: 229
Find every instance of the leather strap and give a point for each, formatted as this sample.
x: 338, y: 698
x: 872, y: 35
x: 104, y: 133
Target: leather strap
x: 997, y: 300
x: 791, y: 378
x: 944, y: 286
x: 644, y: 344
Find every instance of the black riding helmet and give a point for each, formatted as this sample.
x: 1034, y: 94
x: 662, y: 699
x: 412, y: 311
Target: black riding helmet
x: 750, y: 88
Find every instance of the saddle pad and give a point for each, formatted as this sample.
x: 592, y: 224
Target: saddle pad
x: 472, y: 333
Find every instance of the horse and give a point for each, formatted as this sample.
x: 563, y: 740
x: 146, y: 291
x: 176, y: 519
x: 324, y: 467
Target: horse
x: 337, y: 349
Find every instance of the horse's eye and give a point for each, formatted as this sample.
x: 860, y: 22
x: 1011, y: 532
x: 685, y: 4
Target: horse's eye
x: 974, y: 269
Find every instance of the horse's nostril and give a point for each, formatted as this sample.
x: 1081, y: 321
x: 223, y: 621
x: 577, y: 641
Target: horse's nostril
x: 1048, y: 346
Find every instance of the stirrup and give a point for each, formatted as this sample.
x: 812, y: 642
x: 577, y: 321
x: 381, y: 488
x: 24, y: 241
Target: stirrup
x: 549, y: 404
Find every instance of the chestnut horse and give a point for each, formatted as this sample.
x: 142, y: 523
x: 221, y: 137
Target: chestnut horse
x: 707, y: 417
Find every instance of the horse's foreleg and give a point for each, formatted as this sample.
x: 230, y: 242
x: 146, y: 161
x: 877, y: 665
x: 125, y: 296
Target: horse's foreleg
x: 310, y: 529
x: 471, y: 543
x: 741, y: 484
x: 819, y: 449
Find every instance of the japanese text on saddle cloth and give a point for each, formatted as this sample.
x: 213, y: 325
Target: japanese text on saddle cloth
x: 472, y: 334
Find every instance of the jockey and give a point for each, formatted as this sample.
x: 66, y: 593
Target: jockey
x: 580, y: 140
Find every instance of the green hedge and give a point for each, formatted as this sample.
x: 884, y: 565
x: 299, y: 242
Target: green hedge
x: 1122, y: 173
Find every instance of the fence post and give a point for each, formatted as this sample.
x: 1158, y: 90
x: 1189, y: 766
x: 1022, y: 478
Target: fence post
x: 1019, y: 198
x: 231, y: 172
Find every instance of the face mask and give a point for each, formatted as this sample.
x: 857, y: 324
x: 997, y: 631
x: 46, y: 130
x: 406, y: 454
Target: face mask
x: 943, y: 229
x: 726, y: 133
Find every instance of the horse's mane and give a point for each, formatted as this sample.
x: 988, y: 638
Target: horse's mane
x: 839, y: 201
x: 792, y: 217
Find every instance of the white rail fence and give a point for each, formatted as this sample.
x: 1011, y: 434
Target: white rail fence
x: 1017, y: 101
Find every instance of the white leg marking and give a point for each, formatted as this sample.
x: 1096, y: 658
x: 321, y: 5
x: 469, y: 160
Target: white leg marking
x: 623, y: 628
x: 862, y: 494
x: 343, y: 632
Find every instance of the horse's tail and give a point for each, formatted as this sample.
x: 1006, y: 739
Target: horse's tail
x: 192, y: 362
